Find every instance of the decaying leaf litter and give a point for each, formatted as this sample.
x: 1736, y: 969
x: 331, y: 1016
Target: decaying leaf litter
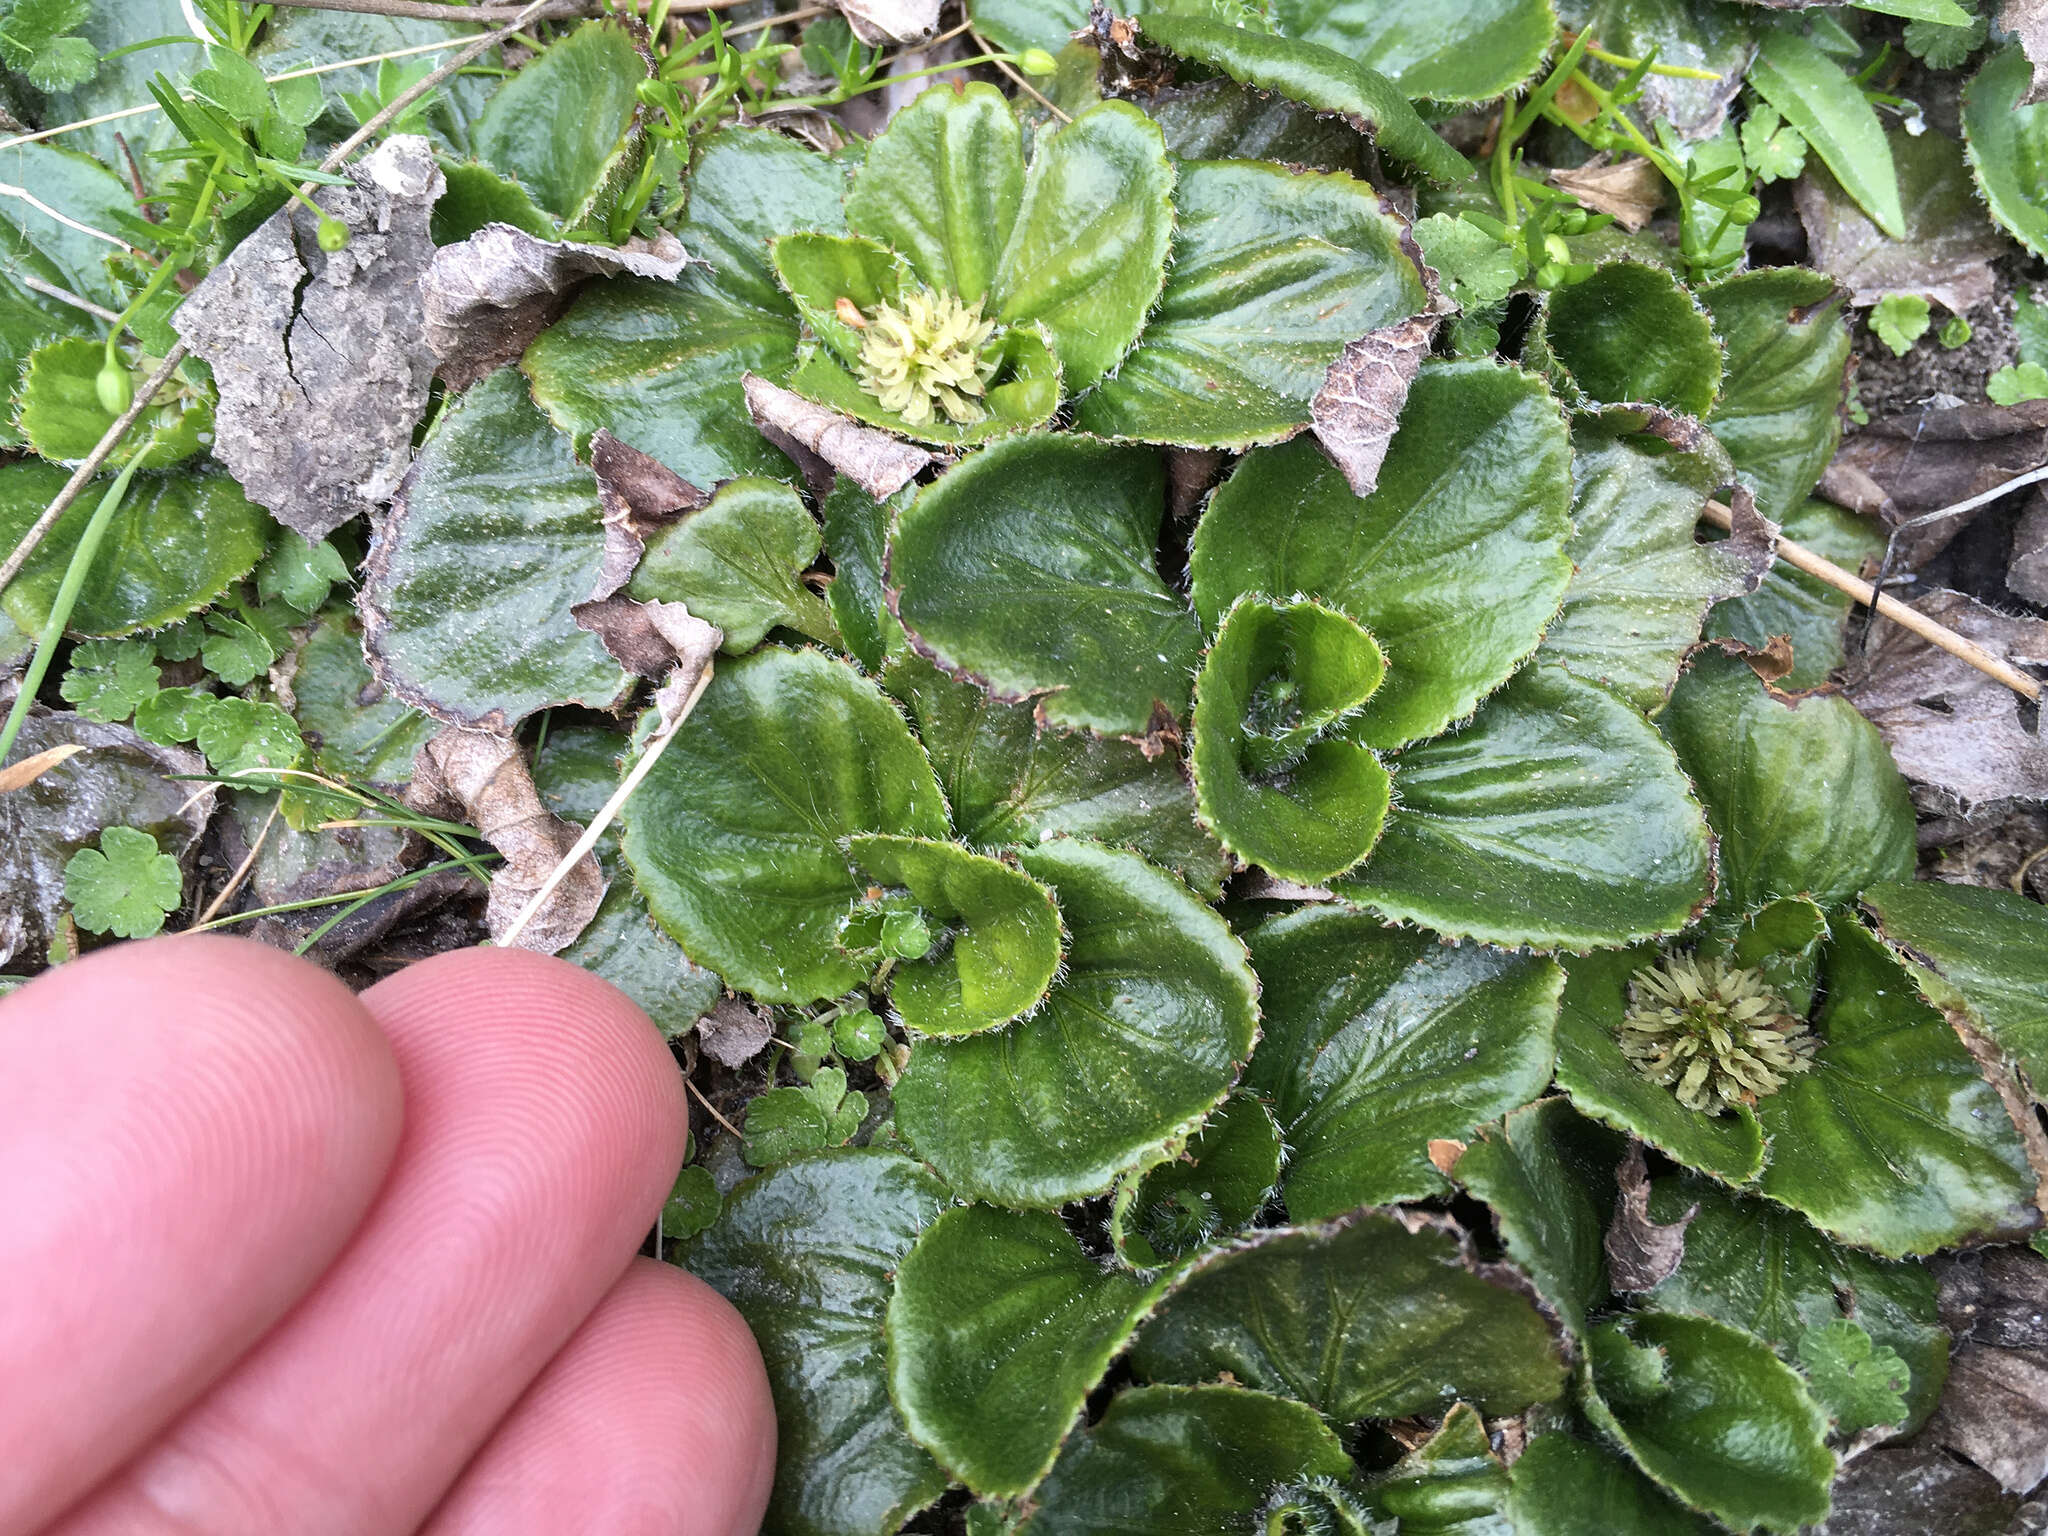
x: 1152, y: 639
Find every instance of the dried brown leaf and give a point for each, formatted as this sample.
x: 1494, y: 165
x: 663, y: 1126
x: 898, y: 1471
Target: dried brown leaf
x: 484, y: 779
x: 638, y: 496
x: 1947, y: 724
x: 648, y: 639
x: 734, y: 1032
x: 2027, y: 574
x: 1631, y: 190
x: 1918, y: 461
x: 317, y: 355
x: 488, y: 296
x: 24, y: 773
x: 891, y: 21
x: 879, y: 464
x: 1641, y: 1254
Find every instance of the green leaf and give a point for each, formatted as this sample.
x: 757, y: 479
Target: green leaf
x: 177, y: 542
x: 172, y: 715
x: 107, y: 679
x: 998, y: 942
x: 1803, y: 607
x: 1861, y: 1386
x: 1801, y: 793
x: 1729, y: 1428
x: 1087, y: 253
x: 2015, y: 384
x: 566, y: 127
x: 1015, y: 25
x: 125, y: 886
x: 692, y: 1205
x: 1775, y: 150
x: 736, y: 835
x: 1379, y: 1041
x: 942, y: 185
x: 235, y: 652
x: 355, y: 729
x: 1606, y: 1086
x: 818, y: 270
x: 1555, y: 818
x: 1893, y: 1141
x: 1719, y: 38
x: 1446, y: 50
x: 478, y: 195
x: 1980, y: 951
x: 1182, y: 1461
x: 1140, y: 1037
x: 2009, y: 146
x: 1452, y: 1482
x: 999, y: 1328
x: 1549, y: 1178
x: 1757, y: 1266
x: 32, y: 41
x: 659, y: 364
x: 786, y: 1122
x: 1274, y: 271
x: 575, y: 772
x: 739, y: 563
x: 1816, y: 96
x: 1782, y: 391
x: 1899, y: 320
x: 1370, y: 1317
x: 467, y: 591
x: 1031, y: 565
x: 1025, y: 392
x: 28, y: 321
x: 1275, y: 778
x: 1455, y: 563
x: 857, y: 534
x: 241, y: 736
x: 1221, y: 120
x: 808, y: 1253
x: 61, y: 416
x: 1318, y: 77
x: 1940, y: 47
x: 73, y: 187
x: 1012, y: 781
x: 1224, y: 1179
x: 1631, y: 334
x: 1560, y: 1486
x: 1643, y: 582
x: 299, y: 573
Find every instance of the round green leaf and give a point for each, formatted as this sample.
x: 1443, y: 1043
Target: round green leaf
x: 942, y: 185
x: 1710, y: 1413
x: 123, y: 887
x: 1447, y: 50
x: 1978, y: 950
x: 354, y: 728
x: 178, y: 541
x: 1230, y: 1169
x: 808, y: 1253
x: 1315, y: 76
x: 1893, y: 1141
x: 1274, y: 271
x: 566, y: 127
x: 1375, y: 1316
x: 1140, y: 1037
x: 2009, y: 145
x: 1643, y: 582
x: 1556, y: 817
x: 1456, y: 561
x: 748, y: 186
x: 1031, y: 566
x: 1804, y: 608
x: 739, y: 563
x: 736, y: 835
x: 1087, y: 253
x: 1380, y: 1040
x: 1013, y: 781
x: 1754, y: 1265
x: 1560, y: 1486
x: 1548, y: 1176
x: 1020, y: 24
x: 1783, y: 383
x: 1631, y: 333
x: 1801, y: 792
x: 494, y: 536
x: 1000, y: 942
x: 1182, y: 1461
x: 1451, y: 1482
x: 1605, y: 1085
x: 61, y: 416
x: 999, y: 1328
x: 1274, y: 778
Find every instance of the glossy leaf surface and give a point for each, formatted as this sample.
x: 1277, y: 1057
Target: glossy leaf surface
x: 1229, y: 1171
x: 1981, y: 950
x: 2009, y: 146
x: 738, y: 563
x: 1560, y: 1486
x: 1816, y: 96
x: 567, y: 126
x: 1631, y: 333
x: 1446, y: 50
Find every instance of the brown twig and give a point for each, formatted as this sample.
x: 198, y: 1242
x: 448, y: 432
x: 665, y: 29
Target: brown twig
x: 66, y: 296
x: 242, y: 869
x: 111, y: 438
x: 1822, y: 569
x: 712, y: 1110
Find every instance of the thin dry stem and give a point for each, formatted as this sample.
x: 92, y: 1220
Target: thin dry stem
x: 1018, y: 80
x: 712, y: 1110
x: 66, y: 296
x: 242, y: 869
x: 1799, y: 556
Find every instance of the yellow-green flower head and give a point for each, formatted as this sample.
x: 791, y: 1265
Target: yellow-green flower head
x: 1714, y: 1034
x: 926, y: 357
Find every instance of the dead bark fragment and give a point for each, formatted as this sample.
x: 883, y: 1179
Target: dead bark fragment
x: 879, y: 464
x: 891, y: 21
x: 487, y: 297
x: 1947, y: 724
x: 316, y: 354
x: 2028, y: 21
x: 484, y: 779
x: 734, y: 1033
x: 1641, y: 1254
